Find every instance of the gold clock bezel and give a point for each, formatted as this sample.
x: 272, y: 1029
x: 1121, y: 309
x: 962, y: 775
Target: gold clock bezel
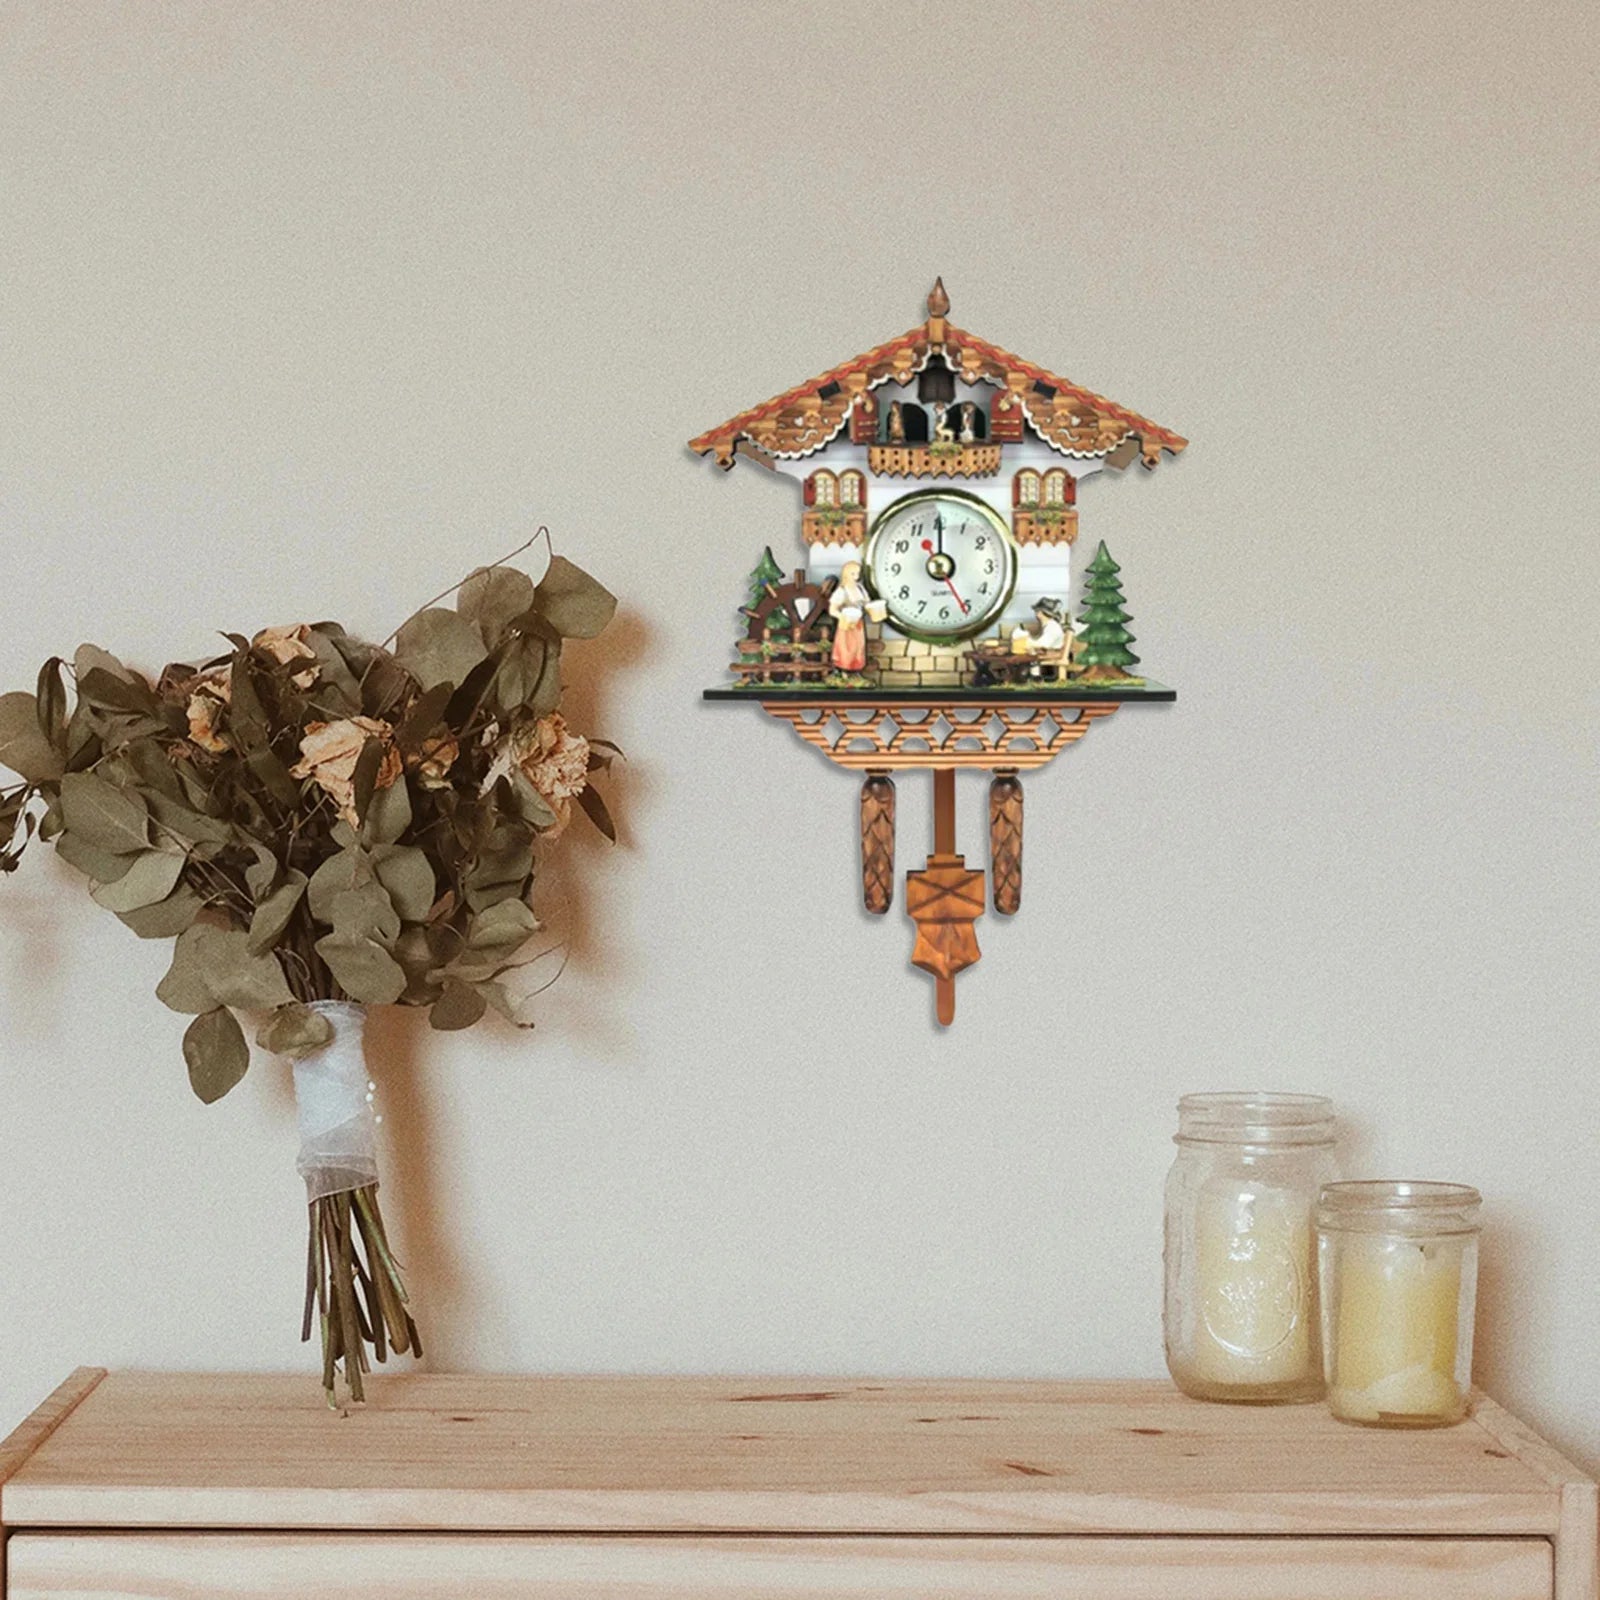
x: 969, y: 630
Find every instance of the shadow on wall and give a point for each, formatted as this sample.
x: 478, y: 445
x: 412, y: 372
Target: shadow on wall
x: 423, y: 1203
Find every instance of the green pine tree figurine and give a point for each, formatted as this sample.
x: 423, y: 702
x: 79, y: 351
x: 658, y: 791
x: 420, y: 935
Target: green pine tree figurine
x: 1104, y: 632
x: 767, y: 572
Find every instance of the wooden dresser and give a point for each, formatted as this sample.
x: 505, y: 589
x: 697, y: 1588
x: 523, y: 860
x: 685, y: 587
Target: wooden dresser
x: 141, y: 1487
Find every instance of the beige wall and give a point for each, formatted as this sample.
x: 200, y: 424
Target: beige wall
x: 306, y: 308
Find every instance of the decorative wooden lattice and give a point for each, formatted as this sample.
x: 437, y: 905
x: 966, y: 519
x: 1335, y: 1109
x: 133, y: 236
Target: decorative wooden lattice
x: 892, y: 734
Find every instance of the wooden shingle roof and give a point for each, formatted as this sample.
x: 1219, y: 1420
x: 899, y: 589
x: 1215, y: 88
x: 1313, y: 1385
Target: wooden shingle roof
x: 1071, y: 419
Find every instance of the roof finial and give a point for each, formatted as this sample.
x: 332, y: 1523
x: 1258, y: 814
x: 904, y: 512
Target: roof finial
x: 938, y: 300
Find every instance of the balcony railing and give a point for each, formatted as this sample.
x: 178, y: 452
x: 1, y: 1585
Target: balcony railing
x: 934, y: 460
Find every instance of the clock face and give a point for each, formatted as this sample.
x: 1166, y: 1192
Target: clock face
x: 943, y: 563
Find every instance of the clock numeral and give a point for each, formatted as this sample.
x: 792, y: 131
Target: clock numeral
x: 922, y: 605
x: 988, y: 566
x: 981, y: 541
x: 983, y: 588
x: 916, y: 530
x: 944, y: 613
x: 905, y: 591
x: 895, y: 569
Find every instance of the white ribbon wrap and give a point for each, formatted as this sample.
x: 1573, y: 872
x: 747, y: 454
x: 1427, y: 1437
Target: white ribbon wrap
x: 338, y: 1132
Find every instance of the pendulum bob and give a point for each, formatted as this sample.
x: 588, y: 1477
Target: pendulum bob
x: 877, y: 842
x: 1005, y: 841
x: 945, y: 899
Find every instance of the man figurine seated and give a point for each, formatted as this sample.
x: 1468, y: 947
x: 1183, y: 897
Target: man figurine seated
x: 1047, y: 637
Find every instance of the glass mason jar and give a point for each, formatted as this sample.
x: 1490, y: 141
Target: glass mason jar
x: 1399, y: 1280
x: 1241, y: 1288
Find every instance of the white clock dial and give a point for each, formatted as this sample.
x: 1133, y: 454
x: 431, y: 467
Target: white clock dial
x: 943, y: 563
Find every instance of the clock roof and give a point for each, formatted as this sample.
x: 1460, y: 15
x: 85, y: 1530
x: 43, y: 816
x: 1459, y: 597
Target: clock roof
x: 1069, y: 418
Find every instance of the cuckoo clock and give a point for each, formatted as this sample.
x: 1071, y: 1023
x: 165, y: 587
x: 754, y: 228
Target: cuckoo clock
x: 936, y: 622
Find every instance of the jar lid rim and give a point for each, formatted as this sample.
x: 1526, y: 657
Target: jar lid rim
x: 1255, y: 1117
x: 1398, y: 1194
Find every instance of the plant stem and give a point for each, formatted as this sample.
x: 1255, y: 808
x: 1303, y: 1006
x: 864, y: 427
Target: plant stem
x: 354, y: 1281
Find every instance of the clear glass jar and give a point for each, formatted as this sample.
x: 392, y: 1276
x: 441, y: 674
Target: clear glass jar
x: 1241, y: 1287
x: 1399, y: 1282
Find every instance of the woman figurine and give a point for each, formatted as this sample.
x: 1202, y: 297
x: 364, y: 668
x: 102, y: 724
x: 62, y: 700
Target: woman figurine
x: 848, y: 606
x: 897, y: 423
x: 968, y: 412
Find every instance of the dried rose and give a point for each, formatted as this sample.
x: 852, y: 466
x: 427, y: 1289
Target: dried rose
x: 432, y: 760
x: 329, y: 752
x: 554, y: 760
x: 204, y: 715
x: 289, y: 644
x: 207, y: 695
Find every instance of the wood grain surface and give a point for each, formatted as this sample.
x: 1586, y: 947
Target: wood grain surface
x: 762, y: 1455
x: 516, y: 1567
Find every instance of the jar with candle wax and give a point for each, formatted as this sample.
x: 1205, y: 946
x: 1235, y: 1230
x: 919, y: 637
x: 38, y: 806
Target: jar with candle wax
x: 1399, y: 1282
x: 1241, y: 1285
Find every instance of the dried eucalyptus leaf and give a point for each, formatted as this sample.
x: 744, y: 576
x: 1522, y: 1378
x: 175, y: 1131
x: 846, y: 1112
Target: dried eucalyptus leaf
x: 150, y: 879
x: 216, y: 962
x: 389, y: 814
x: 515, y: 1011
x: 261, y: 876
x: 530, y: 804
x: 103, y: 815
x: 336, y: 691
x: 594, y: 808
x: 91, y: 658
x: 366, y: 913
x: 502, y: 929
x: 247, y: 716
x: 363, y: 969
x: 295, y: 1031
x: 438, y: 646
x: 23, y: 746
x: 272, y: 914
x: 458, y: 1006
x: 185, y: 988
x: 51, y: 695
x: 349, y: 869
x: 270, y: 772
x: 167, y: 918
x: 521, y: 669
x: 83, y: 738
x: 175, y: 819
x: 572, y: 602
x: 214, y: 1047
x: 110, y: 691
x: 424, y: 716
x: 494, y: 597
x: 364, y: 779
x: 100, y: 865
x: 148, y: 763
x: 407, y: 875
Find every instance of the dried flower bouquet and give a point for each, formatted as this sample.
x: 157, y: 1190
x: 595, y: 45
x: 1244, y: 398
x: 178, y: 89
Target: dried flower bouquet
x: 318, y: 821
